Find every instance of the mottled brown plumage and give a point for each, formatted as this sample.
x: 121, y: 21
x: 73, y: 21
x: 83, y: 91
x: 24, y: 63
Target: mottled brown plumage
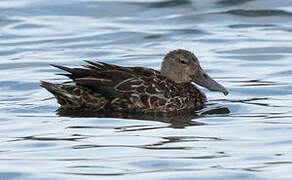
x: 106, y: 87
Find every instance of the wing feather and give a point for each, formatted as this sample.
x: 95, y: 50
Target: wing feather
x: 103, y: 76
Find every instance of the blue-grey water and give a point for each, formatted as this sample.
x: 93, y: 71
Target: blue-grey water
x: 244, y: 44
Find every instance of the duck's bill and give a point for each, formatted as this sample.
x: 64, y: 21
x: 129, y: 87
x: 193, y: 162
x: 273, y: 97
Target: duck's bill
x: 206, y: 81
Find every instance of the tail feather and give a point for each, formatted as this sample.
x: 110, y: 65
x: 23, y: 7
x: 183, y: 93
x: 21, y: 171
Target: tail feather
x: 69, y: 96
x: 62, y: 95
x: 53, y: 88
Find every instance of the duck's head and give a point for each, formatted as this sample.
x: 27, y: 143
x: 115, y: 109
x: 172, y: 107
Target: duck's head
x: 183, y: 67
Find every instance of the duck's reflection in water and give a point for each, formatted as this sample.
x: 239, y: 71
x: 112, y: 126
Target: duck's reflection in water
x: 176, y: 120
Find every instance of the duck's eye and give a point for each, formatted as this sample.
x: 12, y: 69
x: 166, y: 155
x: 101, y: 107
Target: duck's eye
x: 182, y: 61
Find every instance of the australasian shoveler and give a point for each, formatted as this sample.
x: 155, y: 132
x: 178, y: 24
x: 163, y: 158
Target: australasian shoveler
x: 106, y: 87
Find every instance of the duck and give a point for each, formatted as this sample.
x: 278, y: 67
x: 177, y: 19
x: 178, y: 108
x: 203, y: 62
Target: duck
x: 104, y: 87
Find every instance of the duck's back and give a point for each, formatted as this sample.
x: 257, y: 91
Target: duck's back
x: 107, y: 87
